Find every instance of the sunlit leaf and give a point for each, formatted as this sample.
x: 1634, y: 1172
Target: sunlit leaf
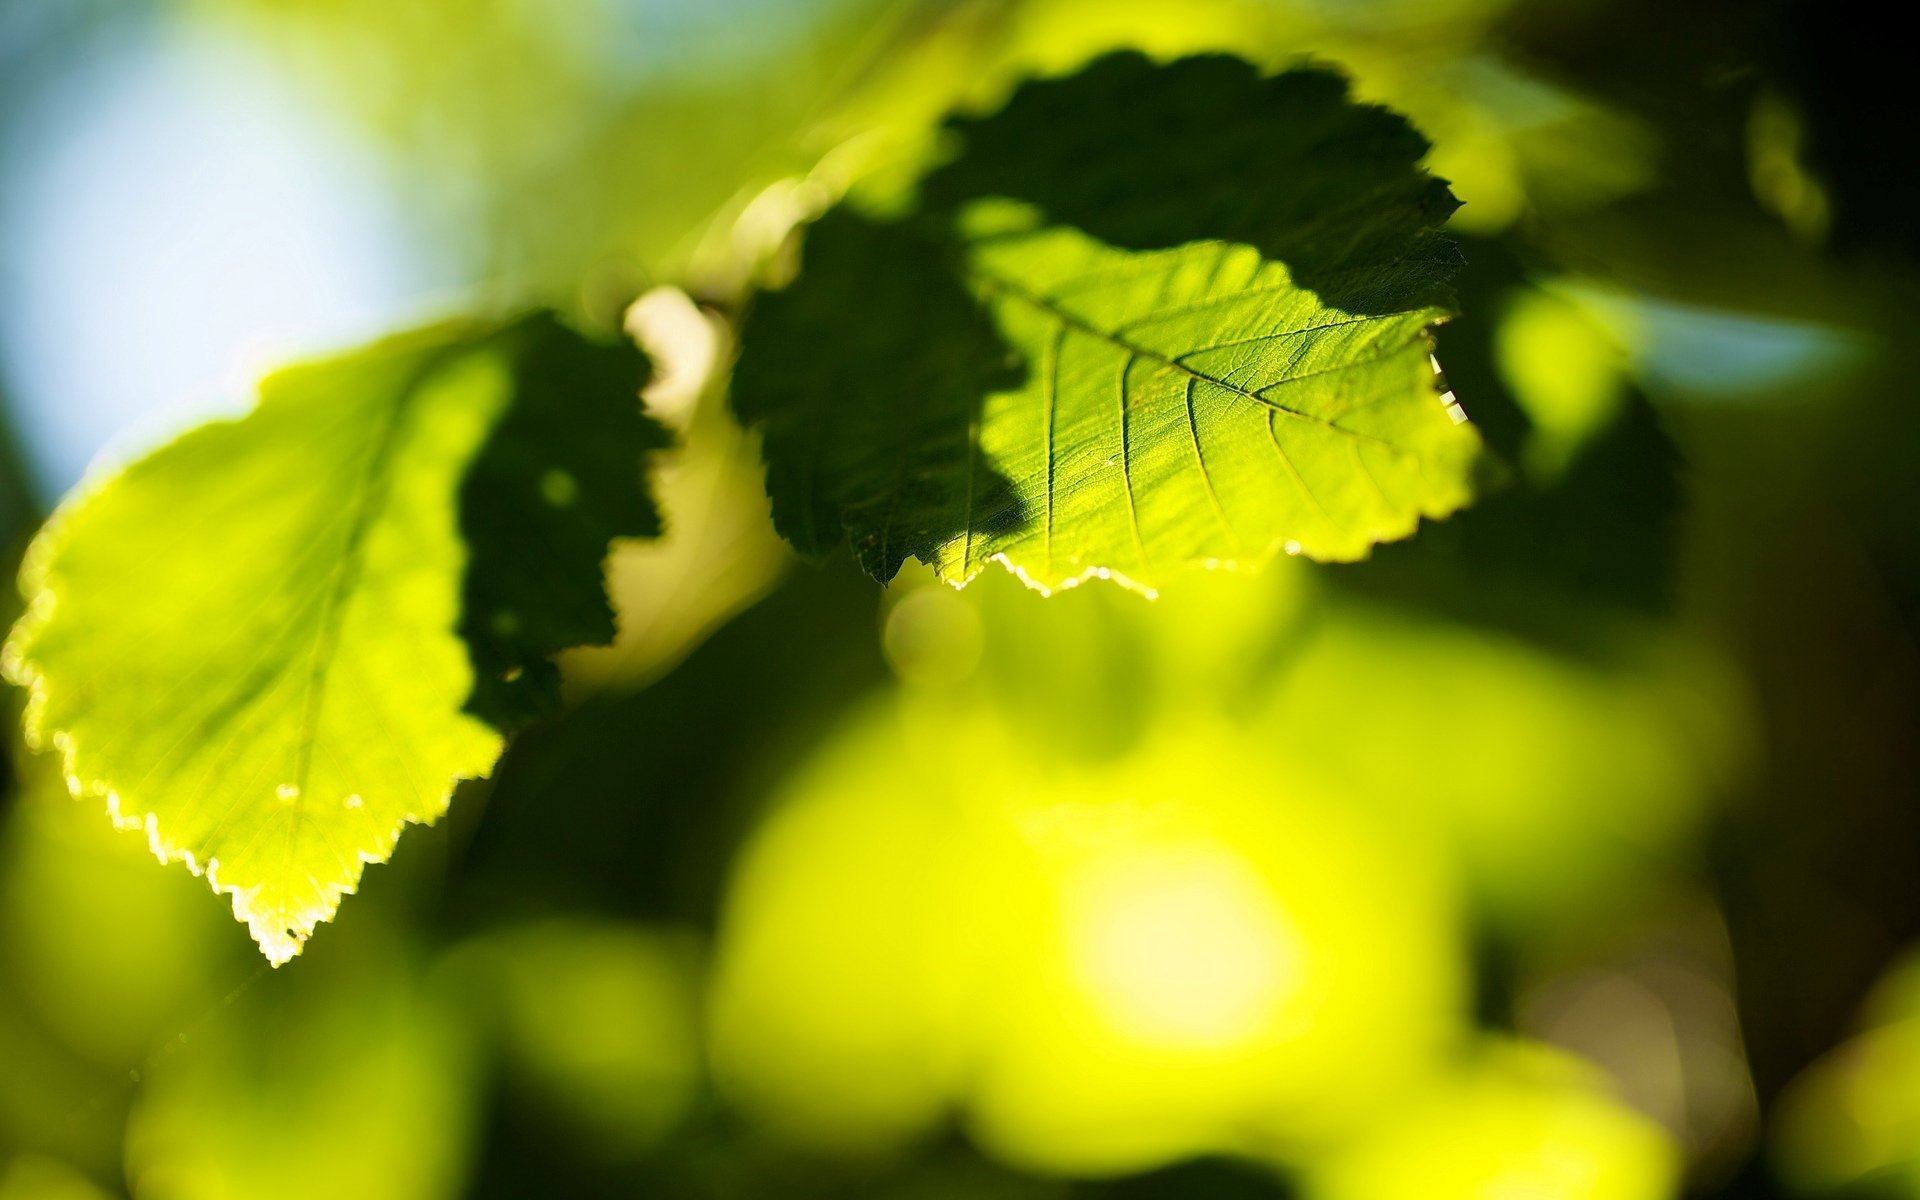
x: 1204, y: 342
x: 249, y: 642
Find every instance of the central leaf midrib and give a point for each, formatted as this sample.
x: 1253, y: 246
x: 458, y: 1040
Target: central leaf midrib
x: 369, y: 497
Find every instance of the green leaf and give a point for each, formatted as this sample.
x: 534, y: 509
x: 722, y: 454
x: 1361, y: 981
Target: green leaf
x: 248, y: 642
x: 868, y: 376
x: 560, y: 477
x: 1150, y: 317
x: 1206, y: 147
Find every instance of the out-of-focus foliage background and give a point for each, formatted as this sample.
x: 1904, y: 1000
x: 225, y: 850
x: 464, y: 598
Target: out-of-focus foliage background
x: 1570, y: 850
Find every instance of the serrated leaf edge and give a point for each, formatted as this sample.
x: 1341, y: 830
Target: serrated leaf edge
x: 1249, y: 563
x: 281, y: 934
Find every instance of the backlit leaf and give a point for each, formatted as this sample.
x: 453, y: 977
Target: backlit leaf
x: 248, y: 642
x: 1150, y: 317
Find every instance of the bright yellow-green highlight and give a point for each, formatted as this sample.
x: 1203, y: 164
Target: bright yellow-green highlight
x: 1854, y: 1116
x: 1157, y: 887
x: 1524, y: 1123
x: 1099, y: 968
x: 1180, y: 946
x: 1567, y: 371
x: 1558, y: 783
x: 718, y: 554
x: 838, y: 991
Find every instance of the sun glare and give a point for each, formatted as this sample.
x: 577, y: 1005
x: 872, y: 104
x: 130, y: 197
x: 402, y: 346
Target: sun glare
x: 1181, y: 947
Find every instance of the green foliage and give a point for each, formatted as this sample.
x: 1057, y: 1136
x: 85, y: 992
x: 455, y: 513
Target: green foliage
x: 1205, y: 341
x: 355, y: 1051
x: 1548, y: 851
x: 280, y: 639
x: 868, y: 376
x: 554, y: 484
x: 249, y: 643
x: 1205, y: 147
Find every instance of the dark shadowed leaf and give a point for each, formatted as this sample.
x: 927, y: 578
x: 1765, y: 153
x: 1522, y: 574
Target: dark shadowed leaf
x: 560, y: 477
x: 1151, y: 317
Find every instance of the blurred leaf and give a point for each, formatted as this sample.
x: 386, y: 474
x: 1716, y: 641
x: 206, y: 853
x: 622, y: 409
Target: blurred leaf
x: 1090, y: 673
x: 247, y: 642
x: 1565, y: 370
x: 598, y: 1025
x: 747, y: 705
x: 1579, y: 527
x: 54, y: 1102
x: 1519, y: 1120
x: 1104, y: 966
x: 977, y: 383
x: 152, y: 943
x: 1558, y: 783
x: 350, y: 1079
x: 31, y: 1177
x: 1851, y: 1121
